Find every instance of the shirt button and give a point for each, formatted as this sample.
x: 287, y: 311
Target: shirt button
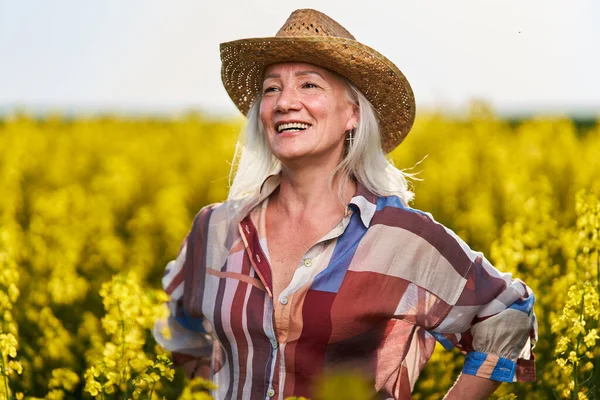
x: 284, y: 300
x: 307, y: 262
x: 274, y: 343
x: 271, y: 392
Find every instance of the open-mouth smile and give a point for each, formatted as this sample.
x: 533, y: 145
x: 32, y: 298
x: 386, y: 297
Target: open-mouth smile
x: 291, y: 127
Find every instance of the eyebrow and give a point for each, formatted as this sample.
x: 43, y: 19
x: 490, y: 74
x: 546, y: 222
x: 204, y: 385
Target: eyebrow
x: 298, y: 73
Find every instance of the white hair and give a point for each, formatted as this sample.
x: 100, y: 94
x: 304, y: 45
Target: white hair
x: 364, y: 159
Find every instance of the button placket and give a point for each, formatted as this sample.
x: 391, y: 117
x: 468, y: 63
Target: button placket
x: 282, y: 318
x: 272, y: 336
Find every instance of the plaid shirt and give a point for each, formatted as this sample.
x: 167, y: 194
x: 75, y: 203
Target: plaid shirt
x: 373, y: 295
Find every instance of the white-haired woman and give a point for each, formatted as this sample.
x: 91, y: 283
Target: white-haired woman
x: 316, y: 263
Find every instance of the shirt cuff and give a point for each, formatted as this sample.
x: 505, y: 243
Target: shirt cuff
x: 191, y: 323
x: 497, y: 368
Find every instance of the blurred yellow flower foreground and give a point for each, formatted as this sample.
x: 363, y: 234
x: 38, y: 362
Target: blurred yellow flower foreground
x: 91, y: 209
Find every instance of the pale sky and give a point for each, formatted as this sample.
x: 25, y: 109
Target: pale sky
x: 151, y: 55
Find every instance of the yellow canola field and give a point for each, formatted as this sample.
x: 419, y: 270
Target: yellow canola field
x: 91, y: 210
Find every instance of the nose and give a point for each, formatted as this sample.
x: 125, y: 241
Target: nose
x: 287, y: 101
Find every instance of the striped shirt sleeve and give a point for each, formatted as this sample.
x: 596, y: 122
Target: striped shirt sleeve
x: 185, y: 336
x: 492, y: 322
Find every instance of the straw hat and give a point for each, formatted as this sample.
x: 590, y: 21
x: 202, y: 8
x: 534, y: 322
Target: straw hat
x: 313, y: 37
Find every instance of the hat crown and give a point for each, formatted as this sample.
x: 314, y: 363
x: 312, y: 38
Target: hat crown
x: 307, y: 22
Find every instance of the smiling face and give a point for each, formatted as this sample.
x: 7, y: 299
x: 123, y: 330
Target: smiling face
x: 305, y: 112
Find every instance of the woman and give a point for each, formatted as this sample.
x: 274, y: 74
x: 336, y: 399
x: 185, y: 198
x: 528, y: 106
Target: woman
x: 315, y: 263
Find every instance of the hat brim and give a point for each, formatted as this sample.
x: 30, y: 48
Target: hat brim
x: 382, y: 83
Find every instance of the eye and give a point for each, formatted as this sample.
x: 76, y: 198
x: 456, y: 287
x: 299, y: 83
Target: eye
x: 270, y: 89
x: 309, y: 85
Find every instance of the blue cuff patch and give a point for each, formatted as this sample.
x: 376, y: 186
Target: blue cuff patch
x: 504, y: 371
x: 443, y: 340
x: 191, y: 323
x: 524, y: 305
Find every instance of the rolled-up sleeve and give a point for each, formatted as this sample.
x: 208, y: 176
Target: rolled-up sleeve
x: 493, y: 322
x: 185, y: 336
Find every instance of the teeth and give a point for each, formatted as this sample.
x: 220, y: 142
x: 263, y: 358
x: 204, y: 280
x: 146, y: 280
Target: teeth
x: 293, y: 125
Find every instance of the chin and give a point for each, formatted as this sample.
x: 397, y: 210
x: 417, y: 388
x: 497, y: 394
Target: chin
x: 295, y: 150
x: 303, y: 155
x: 291, y: 154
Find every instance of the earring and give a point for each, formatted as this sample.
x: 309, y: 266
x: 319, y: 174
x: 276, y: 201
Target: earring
x: 350, y: 137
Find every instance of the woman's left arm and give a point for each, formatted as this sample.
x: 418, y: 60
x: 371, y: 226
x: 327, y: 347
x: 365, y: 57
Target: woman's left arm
x: 493, y: 322
x: 472, y: 387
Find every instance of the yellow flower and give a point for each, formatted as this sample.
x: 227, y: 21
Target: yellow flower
x: 591, y: 337
x: 562, y: 345
x: 578, y: 326
x: 64, y: 378
x: 55, y: 394
x: 92, y: 386
x: 581, y: 396
x: 348, y: 386
x: 197, y: 389
x: 14, y: 366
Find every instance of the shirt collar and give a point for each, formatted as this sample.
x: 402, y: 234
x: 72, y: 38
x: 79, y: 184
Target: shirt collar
x: 363, y: 199
x: 268, y: 186
x: 366, y: 202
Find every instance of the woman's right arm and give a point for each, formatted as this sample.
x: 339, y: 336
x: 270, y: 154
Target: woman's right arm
x: 184, y: 336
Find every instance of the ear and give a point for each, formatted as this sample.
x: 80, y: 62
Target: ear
x: 354, y: 118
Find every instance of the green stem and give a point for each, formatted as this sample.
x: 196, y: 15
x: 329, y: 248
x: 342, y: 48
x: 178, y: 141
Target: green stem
x: 598, y: 270
x: 122, y: 346
x: 151, y: 391
x: 122, y: 331
x: 596, y: 374
x: 4, y: 374
x: 596, y: 371
x: 575, y: 380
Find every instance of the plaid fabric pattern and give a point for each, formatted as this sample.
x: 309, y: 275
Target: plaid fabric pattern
x: 372, y: 296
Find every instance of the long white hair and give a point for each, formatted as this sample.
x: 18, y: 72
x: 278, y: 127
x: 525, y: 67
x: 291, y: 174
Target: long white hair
x: 364, y: 159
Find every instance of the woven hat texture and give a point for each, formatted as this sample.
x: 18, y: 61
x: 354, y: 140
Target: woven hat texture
x: 312, y: 37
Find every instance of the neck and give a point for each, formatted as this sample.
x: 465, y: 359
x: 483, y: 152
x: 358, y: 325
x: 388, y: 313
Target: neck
x: 306, y: 191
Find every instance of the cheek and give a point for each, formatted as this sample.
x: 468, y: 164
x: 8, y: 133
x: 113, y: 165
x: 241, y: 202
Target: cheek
x: 334, y: 117
x: 323, y: 111
x: 266, y: 107
x: 263, y: 111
